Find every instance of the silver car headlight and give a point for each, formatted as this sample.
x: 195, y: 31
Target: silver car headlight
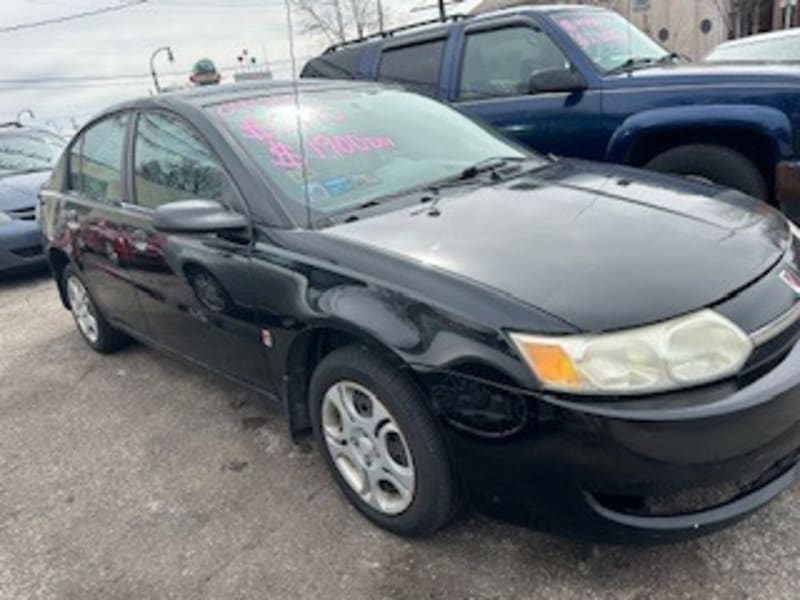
x: 687, y: 351
x: 4, y: 218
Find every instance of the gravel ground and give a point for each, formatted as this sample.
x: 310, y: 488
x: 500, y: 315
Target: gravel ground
x: 135, y: 476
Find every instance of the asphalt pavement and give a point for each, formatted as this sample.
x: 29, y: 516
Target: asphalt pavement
x: 136, y: 476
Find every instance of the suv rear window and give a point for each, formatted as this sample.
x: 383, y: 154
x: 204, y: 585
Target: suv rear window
x: 414, y: 67
x: 340, y: 64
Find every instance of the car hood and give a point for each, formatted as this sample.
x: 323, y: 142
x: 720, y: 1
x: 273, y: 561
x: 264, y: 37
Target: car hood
x: 21, y: 191
x: 601, y: 247
x: 707, y: 73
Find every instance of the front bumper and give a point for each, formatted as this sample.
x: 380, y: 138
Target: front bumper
x: 658, y: 469
x: 21, y: 245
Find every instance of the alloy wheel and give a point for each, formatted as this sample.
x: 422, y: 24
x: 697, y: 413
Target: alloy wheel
x: 368, y: 448
x: 82, y: 309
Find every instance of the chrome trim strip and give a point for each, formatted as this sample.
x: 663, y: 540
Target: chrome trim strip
x: 776, y: 327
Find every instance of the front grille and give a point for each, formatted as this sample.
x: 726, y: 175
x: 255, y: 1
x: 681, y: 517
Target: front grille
x: 697, y: 499
x: 23, y: 214
x: 28, y: 251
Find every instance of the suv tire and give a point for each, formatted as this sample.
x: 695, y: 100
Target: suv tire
x: 718, y: 164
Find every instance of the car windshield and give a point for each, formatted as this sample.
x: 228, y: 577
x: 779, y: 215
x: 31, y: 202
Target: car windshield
x: 609, y: 40
x: 358, y: 146
x: 786, y: 48
x: 22, y: 151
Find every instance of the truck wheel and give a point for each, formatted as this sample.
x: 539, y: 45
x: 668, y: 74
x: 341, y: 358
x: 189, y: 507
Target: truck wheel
x: 719, y: 164
x: 380, y: 443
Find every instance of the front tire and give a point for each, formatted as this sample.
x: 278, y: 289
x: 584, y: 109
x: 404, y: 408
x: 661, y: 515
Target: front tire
x: 91, y: 323
x: 718, y: 164
x: 380, y: 443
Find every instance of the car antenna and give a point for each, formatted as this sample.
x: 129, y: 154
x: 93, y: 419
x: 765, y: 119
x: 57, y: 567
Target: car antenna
x: 298, y: 118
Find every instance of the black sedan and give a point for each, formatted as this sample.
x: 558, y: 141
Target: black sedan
x: 578, y: 347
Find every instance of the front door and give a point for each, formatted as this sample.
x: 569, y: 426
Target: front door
x: 497, y: 62
x: 188, y: 283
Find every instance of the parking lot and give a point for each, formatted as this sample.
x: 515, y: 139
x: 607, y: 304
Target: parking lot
x: 135, y: 476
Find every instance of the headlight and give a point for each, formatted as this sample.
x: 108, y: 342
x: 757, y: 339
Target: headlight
x: 4, y: 218
x: 682, y: 352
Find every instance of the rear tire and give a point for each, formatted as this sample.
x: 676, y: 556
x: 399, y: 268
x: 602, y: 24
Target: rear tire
x: 92, y: 325
x: 719, y: 164
x: 380, y: 443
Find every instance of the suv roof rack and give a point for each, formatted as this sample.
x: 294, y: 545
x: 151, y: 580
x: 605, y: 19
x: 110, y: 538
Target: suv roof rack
x: 391, y: 32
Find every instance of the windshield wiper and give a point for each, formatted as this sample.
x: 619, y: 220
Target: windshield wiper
x: 488, y: 165
x: 631, y: 64
x: 491, y: 165
x: 672, y: 57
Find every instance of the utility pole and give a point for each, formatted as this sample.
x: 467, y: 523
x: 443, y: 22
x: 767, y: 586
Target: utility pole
x: 380, y: 16
x: 442, y: 13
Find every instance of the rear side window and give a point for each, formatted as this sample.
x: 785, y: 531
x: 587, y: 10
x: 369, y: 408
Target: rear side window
x: 414, y: 67
x: 500, y: 62
x: 172, y: 162
x: 95, y: 160
x: 340, y: 64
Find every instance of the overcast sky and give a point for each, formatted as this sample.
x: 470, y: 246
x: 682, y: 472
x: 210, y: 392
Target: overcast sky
x: 45, y: 66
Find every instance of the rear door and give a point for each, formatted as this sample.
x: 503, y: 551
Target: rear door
x: 97, y: 225
x: 492, y: 83
x: 415, y: 65
x: 190, y: 285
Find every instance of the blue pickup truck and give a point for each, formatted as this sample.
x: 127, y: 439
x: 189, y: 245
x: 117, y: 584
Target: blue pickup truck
x: 582, y: 81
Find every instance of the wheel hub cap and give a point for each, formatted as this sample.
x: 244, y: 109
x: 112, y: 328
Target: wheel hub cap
x: 368, y: 447
x: 365, y: 450
x: 82, y: 309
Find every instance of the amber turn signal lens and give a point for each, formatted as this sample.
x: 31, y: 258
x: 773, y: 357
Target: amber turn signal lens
x: 551, y: 364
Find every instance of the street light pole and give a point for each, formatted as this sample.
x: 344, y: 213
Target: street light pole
x: 442, y: 14
x: 25, y: 111
x: 155, y: 53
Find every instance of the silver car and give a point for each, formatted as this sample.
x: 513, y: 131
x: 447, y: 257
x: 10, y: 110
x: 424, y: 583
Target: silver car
x: 777, y: 46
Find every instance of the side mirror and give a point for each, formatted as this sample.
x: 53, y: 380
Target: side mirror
x: 556, y: 80
x: 197, y: 216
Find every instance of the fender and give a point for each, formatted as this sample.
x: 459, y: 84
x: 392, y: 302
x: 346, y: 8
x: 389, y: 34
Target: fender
x: 768, y: 122
x: 399, y: 330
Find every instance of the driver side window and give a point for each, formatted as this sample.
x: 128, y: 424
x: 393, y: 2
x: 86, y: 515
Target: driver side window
x: 172, y: 162
x: 500, y: 62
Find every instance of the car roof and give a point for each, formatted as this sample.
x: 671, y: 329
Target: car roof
x: 772, y: 35
x: 434, y: 26
x: 203, y: 96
